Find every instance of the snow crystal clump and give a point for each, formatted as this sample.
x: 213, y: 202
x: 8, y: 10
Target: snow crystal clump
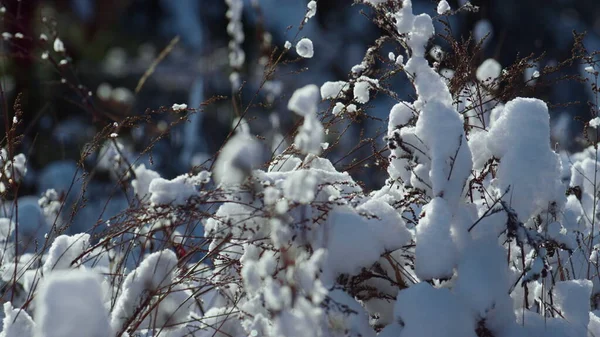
x: 528, y: 166
x: 59, y: 46
x: 310, y: 135
x: 304, y: 100
x: 143, y: 178
x: 304, y: 48
x: 400, y: 114
x: 7, y: 227
x: 179, y: 107
x: 361, y: 91
x: 429, y: 312
x: 483, y: 282
x: 312, y: 9
x: 490, y: 69
x: 154, y: 272
x: 300, y: 186
x: 435, y: 252
x: 346, y: 228
x: 240, y: 155
x: 304, y: 103
x: 177, y: 191
x: 16, y: 322
x: 572, y: 298
x: 443, y: 7
x: 375, y: 2
x: 338, y: 108
x: 441, y: 129
x: 331, y: 90
x: 64, y: 250
x: 61, y: 310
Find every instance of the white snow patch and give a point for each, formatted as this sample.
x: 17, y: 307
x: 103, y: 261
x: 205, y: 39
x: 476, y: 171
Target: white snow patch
x: 490, y: 69
x: 304, y: 48
x: 71, y: 304
x: 443, y: 7
x: 304, y: 100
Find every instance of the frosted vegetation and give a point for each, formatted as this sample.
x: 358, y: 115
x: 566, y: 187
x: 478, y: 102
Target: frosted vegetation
x: 480, y: 229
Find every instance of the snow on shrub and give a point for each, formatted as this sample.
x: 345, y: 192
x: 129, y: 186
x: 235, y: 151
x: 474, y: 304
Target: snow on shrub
x: 304, y: 48
x: 480, y: 229
x: 69, y: 302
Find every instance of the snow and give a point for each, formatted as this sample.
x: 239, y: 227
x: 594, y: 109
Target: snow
x: 441, y: 129
x: 7, y: 227
x: 281, y: 207
x: 304, y: 103
x: 16, y: 322
x: 177, y: 190
x: 572, y: 298
x: 284, y: 163
x: 428, y: 312
x: 312, y: 9
x: 304, y: 48
x: 217, y: 323
x: 531, y: 74
x: 400, y: 114
x: 349, y: 317
x: 361, y: 89
x: 153, y: 273
x: 142, y: 181
x: 300, y: 321
x: 528, y: 166
x: 595, y: 122
x: 420, y: 33
x: 332, y: 90
x: 310, y: 135
x: 489, y: 70
x: 374, y: 2
x: 240, y: 155
x: 179, y: 107
x: 58, y: 46
x: 594, y: 326
x: 346, y: 229
x: 304, y: 100
x: 483, y: 282
x: 300, y: 187
x: 400, y: 60
x: 287, y: 45
x: 271, y: 195
x: 61, y: 310
x: 338, y: 108
x: 443, y: 7
x: 65, y: 250
x: 436, y: 254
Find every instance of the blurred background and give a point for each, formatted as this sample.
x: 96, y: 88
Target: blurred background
x: 110, y: 44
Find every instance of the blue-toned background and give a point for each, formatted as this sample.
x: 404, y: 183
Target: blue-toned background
x: 113, y: 42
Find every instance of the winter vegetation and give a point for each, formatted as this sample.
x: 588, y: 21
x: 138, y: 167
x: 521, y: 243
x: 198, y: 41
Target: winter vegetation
x: 482, y: 227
